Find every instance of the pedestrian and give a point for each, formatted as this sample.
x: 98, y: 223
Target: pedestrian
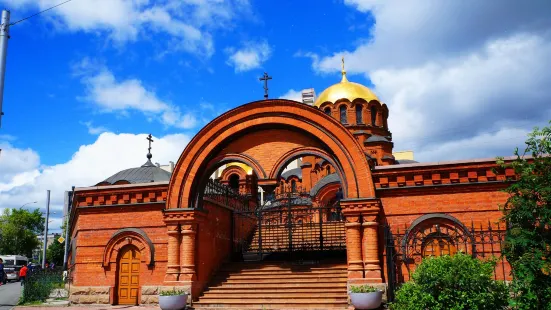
x: 1, y: 271
x: 23, y: 274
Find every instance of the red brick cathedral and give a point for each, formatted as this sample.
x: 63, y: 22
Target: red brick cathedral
x: 278, y: 204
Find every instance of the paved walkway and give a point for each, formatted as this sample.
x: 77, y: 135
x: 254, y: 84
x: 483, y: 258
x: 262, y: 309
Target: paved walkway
x: 94, y: 307
x: 9, y: 295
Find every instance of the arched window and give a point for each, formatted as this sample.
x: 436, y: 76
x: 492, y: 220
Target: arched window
x: 327, y: 111
x: 374, y: 116
x: 342, y: 110
x: 328, y: 170
x: 234, y: 182
x: 293, y: 186
x: 359, y: 118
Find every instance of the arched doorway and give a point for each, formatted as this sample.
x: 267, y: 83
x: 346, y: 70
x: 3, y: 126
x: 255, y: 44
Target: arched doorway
x: 233, y: 182
x: 128, y: 275
x: 257, y: 133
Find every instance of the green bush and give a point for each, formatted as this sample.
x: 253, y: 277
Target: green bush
x: 38, y: 286
x: 174, y: 292
x: 457, y: 282
x: 363, y: 289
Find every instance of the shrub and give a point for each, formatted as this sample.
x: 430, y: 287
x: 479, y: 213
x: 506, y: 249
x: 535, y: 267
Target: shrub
x: 38, y: 286
x: 363, y: 289
x: 527, y: 212
x: 457, y: 282
x: 174, y: 292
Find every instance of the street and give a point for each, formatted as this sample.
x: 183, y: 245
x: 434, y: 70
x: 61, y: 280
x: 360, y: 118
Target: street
x: 9, y: 295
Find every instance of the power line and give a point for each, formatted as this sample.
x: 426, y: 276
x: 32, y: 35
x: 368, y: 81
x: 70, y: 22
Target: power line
x: 53, y: 7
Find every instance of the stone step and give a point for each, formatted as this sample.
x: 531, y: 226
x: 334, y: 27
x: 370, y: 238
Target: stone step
x: 289, y: 276
x: 271, y: 295
x: 284, y: 280
x: 264, y: 286
x: 286, y: 272
x: 277, y: 289
x: 258, y: 267
x: 272, y: 301
x: 339, y: 306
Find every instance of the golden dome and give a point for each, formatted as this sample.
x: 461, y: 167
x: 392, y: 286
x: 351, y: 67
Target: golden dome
x: 345, y: 90
x: 245, y: 167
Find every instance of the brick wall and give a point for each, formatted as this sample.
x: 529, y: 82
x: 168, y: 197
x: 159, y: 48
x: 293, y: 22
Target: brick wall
x: 214, y: 241
x: 476, y: 206
x: 96, y: 225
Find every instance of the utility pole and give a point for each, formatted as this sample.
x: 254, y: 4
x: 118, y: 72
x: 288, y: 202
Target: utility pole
x: 45, y: 241
x: 67, y: 218
x: 4, y: 36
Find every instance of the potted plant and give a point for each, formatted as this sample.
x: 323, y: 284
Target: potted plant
x: 365, y: 297
x: 173, y: 300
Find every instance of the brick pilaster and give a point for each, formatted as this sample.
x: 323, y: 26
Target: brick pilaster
x: 173, y: 264
x: 354, y: 246
x: 187, y: 262
x: 370, y: 253
x: 362, y: 240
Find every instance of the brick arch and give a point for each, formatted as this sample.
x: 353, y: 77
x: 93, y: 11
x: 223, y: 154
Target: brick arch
x: 305, y: 151
x: 240, y: 158
x: 233, y: 170
x: 126, y: 236
x: 426, y: 221
x: 189, y: 176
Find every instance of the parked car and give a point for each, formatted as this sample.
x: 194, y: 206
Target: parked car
x: 12, y: 265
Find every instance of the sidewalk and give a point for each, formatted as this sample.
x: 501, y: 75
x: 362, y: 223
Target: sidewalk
x: 94, y: 307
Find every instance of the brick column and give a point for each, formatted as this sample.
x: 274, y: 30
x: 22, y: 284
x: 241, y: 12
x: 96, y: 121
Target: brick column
x: 173, y: 264
x: 370, y: 253
x: 354, y: 246
x: 187, y: 262
x: 361, y: 239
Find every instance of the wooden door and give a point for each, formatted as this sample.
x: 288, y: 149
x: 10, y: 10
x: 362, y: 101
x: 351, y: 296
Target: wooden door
x: 439, y: 247
x: 129, y: 276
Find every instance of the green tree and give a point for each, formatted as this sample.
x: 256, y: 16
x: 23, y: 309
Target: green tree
x: 457, y: 282
x: 528, y: 215
x: 54, y: 253
x: 18, y: 231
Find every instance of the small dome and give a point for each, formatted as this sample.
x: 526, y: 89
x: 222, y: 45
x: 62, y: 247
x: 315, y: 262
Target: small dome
x: 345, y: 90
x: 147, y: 173
x: 245, y: 167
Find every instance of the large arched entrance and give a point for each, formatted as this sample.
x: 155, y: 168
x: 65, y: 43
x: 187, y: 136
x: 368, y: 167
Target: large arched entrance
x: 265, y: 136
x: 260, y: 134
x: 128, y: 275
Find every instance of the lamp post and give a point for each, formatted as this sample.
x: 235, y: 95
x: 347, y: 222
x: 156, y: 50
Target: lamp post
x: 28, y: 203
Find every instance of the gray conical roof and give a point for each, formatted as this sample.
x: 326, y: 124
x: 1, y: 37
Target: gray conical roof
x: 147, y: 173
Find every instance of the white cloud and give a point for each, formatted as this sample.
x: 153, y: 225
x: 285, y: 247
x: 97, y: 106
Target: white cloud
x: 112, y: 95
x: 455, y: 81
x: 94, y: 130
x: 23, y: 179
x: 292, y: 94
x: 188, y: 23
x: 250, y: 56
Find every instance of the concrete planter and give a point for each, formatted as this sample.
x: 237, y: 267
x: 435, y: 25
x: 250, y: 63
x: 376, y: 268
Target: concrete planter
x: 176, y: 302
x: 365, y: 301
x: 59, y: 293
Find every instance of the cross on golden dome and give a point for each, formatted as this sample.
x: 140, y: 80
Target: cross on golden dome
x: 345, y: 90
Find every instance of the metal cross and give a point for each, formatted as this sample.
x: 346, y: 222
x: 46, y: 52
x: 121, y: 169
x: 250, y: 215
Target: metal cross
x: 265, y: 78
x: 150, y: 139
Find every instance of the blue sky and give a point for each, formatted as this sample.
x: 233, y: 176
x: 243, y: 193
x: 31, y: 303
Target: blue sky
x: 45, y: 100
x: 88, y: 80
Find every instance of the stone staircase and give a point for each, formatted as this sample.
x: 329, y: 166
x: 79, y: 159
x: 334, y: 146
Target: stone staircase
x: 305, y: 236
x: 277, y: 285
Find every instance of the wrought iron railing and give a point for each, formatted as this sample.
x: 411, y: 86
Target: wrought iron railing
x: 403, y: 252
x: 39, y: 284
x: 224, y: 195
